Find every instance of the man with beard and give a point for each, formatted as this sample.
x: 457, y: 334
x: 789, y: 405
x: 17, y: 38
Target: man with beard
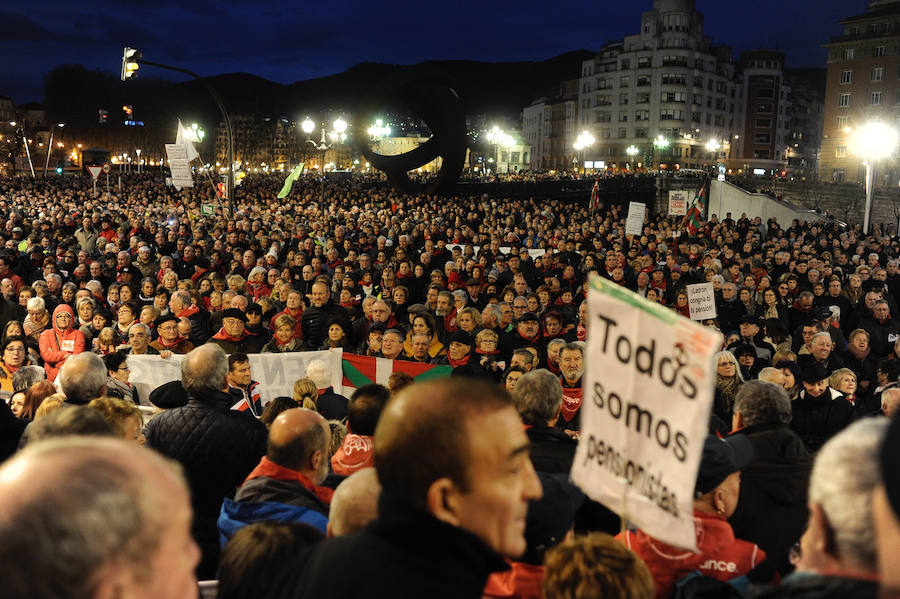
x: 571, y: 366
x: 446, y: 312
x: 284, y: 486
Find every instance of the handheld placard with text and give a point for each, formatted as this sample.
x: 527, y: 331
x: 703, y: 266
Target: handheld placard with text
x: 648, y: 392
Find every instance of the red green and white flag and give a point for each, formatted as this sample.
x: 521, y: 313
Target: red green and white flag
x: 694, y: 217
x: 595, y: 195
x: 362, y: 370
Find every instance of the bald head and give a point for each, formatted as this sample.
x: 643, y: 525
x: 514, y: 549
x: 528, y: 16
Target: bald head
x: 299, y: 440
x: 355, y: 503
x: 890, y: 400
x: 81, y: 512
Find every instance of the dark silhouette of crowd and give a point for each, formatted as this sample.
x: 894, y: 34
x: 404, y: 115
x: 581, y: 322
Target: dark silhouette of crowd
x: 452, y: 487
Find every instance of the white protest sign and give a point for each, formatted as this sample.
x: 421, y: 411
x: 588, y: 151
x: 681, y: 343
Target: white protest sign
x: 648, y: 392
x: 634, y: 224
x: 701, y: 301
x: 678, y: 201
x: 276, y: 373
x: 179, y: 165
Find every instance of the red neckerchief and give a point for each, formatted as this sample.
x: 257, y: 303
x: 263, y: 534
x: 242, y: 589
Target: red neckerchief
x: 223, y: 336
x: 196, y: 276
x: 178, y: 340
x: 534, y: 339
x: 571, y: 402
x: 554, y: 368
x: 188, y: 312
x: 457, y: 363
x: 267, y: 467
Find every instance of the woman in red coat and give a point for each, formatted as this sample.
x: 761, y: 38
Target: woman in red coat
x: 60, y: 341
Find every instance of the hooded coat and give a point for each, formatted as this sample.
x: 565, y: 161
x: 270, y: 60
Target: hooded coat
x: 58, y: 344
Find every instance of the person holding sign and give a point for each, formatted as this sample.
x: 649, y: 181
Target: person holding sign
x: 721, y: 556
x: 60, y: 341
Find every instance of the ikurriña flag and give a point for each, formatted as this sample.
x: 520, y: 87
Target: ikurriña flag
x: 694, y: 217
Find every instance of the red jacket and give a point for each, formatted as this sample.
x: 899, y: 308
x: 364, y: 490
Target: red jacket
x: 522, y: 581
x: 721, y: 556
x: 57, y: 344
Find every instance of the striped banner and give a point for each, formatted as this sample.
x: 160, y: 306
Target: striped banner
x: 363, y: 370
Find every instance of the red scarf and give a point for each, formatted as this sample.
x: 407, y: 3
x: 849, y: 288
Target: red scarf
x: 267, y: 467
x: 571, y: 403
x: 188, y: 312
x: 223, y: 336
x: 457, y: 363
x: 178, y: 340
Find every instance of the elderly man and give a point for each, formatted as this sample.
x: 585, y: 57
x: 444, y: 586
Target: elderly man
x: 538, y: 398
x: 354, y: 503
x: 169, y: 338
x: 837, y: 555
x: 83, y: 378
x: 883, y: 330
x: 571, y: 367
x: 771, y: 509
x: 284, y: 486
x: 729, y: 308
x: 392, y: 344
x: 322, y: 310
x: 139, y: 341
x: 217, y: 446
x: 180, y: 305
x: 452, y: 459
x: 820, y: 350
x: 233, y: 337
x: 95, y: 517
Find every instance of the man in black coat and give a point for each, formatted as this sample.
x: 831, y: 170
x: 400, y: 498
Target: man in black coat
x: 452, y: 460
x: 771, y: 508
x: 217, y: 447
x: 323, y: 310
x: 538, y: 398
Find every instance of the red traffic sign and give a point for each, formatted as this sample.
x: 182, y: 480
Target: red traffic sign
x: 94, y: 171
x: 106, y: 168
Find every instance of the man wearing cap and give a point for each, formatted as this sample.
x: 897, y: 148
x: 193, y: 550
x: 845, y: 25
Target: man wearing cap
x: 819, y: 412
x: 473, y: 288
x: 720, y: 555
x: 233, y: 337
x: 169, y: 339
x: 750, y: 334
x: 526, y: 334
x: 459, y: 354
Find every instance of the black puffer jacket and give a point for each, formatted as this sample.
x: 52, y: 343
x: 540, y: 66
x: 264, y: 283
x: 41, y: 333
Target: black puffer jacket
x: 551, y: 449
x: 314, y: 319
x: 771, y: 510
x: 218, y: 448
x: 817, y: 419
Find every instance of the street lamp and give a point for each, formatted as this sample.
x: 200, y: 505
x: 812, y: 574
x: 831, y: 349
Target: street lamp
x: 872, y: 141
x: 584, y: 140
x: 632, y: 152
x: 21, y: 127
x: 660, y: 143
x: 499, y: 137
x: 337, y: 135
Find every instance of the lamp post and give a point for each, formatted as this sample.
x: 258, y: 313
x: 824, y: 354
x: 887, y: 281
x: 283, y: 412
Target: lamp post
x: 25, y: 141
x: 660, y: 143
x: 337, y: 135
x: 584, y: 140
x: 499, y: 137
x: 50, y: 146
x: 632, y: 152
x: 872, y: 142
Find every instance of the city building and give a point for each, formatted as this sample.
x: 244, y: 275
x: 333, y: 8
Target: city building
x: 806, y: 119
x: 550, y: 127
x: 668, y: 82
x: 393, y: 146
x: 863, y: 85
x: 261, y: 142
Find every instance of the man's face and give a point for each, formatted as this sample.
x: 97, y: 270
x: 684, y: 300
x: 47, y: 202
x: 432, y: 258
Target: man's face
x: 728, y: 291
x: 748, y: 330
x: 137, y: 339
x: 293, y: 301
x: 391, y: 345
x: 233, y: 326
x: 817, y: 388
x: 420, y: 346
x: 240, y: 372
x: 501, y: 481
x: 319, y: 295
x: 528, y: 328
x: 571, y: 364
x: 882, y: 311
x: 806, y: 302
x: 834, y: 288
x: 457, y: 351
x: 380, y: 312
x: 821, y: 348
x: 443, y: 305
x: 168, y: 331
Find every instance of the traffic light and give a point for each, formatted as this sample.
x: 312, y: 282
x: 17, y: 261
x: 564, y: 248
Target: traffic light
x: 130, y: 63
x: 128, y: 110
x: 59, y: 170
x: 103, y: 115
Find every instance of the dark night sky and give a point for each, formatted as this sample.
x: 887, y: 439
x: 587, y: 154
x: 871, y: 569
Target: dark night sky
x: 289, y: 41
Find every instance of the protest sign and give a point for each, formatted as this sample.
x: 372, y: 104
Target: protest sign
x: 179, y: 165
x: 276, y: 373
x: 634, y: 224
x: 701, y: 301
x: 678, y: 202
x: 647, y: 397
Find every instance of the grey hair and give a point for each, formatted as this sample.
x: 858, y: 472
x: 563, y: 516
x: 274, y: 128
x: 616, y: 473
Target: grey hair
x: 82, y: 377
x: 355, y: 502
x: 494, y: 309
x: 761, y: 402
x: 103, y: 511
x: 320, y: 373
x: 83, y: 300
x: 555, y: 342
x: 730, y: 358
x: 94, y: 286
x: 36, y: 303
x: 140, y: 325
x: 183, y: 296
x: 823, y: 334
x: 26, y: 376
x: 53, y: 277
x: 204, y: 369
x: 843, y: 478
x: 538, y: 397
x: 460, y: 294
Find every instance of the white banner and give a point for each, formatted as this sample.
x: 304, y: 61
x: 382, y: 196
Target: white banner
x: 179, y: 165
x: 678, y: 202
x: 503, y: 250
x: 634, y: 224
x: 701, y: 301
x: 276, y: 373
x: 648, y: 393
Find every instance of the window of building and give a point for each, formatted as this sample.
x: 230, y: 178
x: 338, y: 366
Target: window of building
x: 603, y: 100
x: 764, y: 107
x: 877, y: 74
x: 643, y: 62
x: 678, y: 97
x: 623, y: 98
x: 642, y: 98
x: 848, y: 53
x: 605, y: 133
x: 604, y: 117
x: 840, y: 151
x: 674, y: 79
x: 625, y: 64
x: 603, y: 84
x: 843, y: 122
x: 643, y: 81
x: 623, y: 133
x: 875, y: 98
x: 846, y: 77
x: 642, y: 115
x: 763, y: 123
x: 673, y: 60
x: 625, y: 82
x: 762, y: 138
x: 647, y: 27
x: 880, y: 50
x: 671, y: 114
x: 844, y: 100
x: 695, y: 117
x: 698, y: 81
x: 623, y: 116
x: 514, y: 157
x: 761, y: 154
x: 640, y: 133
x: 837, y: 175
x: 719, y: 120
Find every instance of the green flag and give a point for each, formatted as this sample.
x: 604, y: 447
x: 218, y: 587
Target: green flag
x: 289, y: 182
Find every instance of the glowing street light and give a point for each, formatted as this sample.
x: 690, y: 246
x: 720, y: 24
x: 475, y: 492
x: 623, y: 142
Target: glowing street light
x: 660, y: 143
x: 582, y: 142
x: 195, y: 133
x: 873, y: 141
x: 632, y: 151
x: 713, y: 146
x: 337, y: 135
x: 379, y: 129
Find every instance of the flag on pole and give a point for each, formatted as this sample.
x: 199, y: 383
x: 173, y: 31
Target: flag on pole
x: 696, y: 210
x: 289, y: 182
x: 362, y: 370
x: 595, y: 195
x: 180, y: 139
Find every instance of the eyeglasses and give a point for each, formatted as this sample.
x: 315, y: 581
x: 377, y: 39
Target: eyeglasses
x: 18, y: 350
x: 123, y: 368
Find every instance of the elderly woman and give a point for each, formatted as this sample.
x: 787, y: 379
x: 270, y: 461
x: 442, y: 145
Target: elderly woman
x: 728, y: 381
x: 12, y: 357
x: 85, y: 308
x: 38, y: 318
x: 284, y: 339
x: 117, y: 383
x: 123, y: 417
x: 60, y: 342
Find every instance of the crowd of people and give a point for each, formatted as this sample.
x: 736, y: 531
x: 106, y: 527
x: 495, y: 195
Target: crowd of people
x: 454, y: 487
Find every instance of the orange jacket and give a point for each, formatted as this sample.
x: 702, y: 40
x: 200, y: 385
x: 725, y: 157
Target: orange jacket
x: 58, y: 344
